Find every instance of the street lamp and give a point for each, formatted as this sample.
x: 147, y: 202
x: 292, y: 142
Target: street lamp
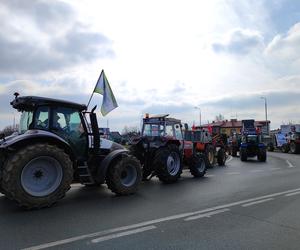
x: 266, y: 112
x: 199, y: 114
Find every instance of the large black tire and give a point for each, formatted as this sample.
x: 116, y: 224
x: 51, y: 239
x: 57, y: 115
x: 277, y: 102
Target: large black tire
x: 168, y: 164
x: 285, y: 148
x: 294, y: 147
x: 198, y: 166
x: 243, y: 155
x: 124, y: 175
x: 210, y: 155
x: 271, y: 147
x: 221, y: 157
x: 234, y: 152
x: 262, y: 156
x: 17, y: 189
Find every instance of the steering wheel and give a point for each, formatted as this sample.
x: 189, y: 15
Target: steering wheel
x: 40, y: 124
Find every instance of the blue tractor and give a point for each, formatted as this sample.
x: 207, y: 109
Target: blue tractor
x: 251, y: 143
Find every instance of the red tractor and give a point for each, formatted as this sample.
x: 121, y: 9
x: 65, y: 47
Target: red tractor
x: 214, y: 147
x: 163, y: 152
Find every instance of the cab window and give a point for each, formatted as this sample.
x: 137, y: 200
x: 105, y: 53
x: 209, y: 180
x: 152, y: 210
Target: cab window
x: 42, y: 118
x: 178, y: 132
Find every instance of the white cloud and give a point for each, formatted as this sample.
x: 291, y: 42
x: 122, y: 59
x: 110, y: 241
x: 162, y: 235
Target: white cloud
x: 39, y: 36
x: 285, y: 46
x: 163, y: 60
x: 240, y: 42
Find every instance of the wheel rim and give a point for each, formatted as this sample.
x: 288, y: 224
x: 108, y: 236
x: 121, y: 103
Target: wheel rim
x: 201, y: 165
x: 128, y: 175
x: 41, y: 176
x: 173, y: 163
x: 293, y: 147
x: 211, y: 157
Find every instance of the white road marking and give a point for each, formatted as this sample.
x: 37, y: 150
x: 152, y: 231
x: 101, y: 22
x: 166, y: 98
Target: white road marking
x: 117, y: 235
x: 207, y: 215
x: 233, y: 173
x: 293, y: 194
x: 290, y: 165
x: 229, y: 159
x: 257, y: 202
x: 273, y: 169
x: 257, y: 171
x: 209, y: 175
x: 150, y: 222
x: 76, y: 185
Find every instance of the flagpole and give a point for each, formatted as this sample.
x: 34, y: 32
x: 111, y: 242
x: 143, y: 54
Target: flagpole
x: 94, y: 90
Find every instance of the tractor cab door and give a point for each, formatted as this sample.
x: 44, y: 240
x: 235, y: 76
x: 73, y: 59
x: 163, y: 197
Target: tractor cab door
x: 67, y: 123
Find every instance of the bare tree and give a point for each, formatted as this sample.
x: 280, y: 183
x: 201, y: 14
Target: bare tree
x: 219, y: 118
x: 8, y: 130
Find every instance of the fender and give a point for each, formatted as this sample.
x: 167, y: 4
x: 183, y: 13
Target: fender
x: 102, y: 169
x: 14, y: 142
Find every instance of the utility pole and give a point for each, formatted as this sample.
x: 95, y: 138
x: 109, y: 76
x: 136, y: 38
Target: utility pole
x: 266, y: 112
x: 199, y: 114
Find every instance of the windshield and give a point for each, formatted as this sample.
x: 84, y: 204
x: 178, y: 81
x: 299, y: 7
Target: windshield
x: 252, y: 138
x: 153, y: 130
x: 25, y: 121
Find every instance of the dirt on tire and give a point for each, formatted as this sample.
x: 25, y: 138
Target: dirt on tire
x: 12, y: 170
x: 114, y: 175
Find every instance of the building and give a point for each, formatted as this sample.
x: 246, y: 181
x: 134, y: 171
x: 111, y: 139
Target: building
x: 233, y: 126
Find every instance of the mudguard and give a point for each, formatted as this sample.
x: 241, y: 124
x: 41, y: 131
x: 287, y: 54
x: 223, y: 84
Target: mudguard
x: 31, y: 136
x: 102, y: 169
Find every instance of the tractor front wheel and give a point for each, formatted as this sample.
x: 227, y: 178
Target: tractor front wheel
x: 37, y: 176
x: 124, y: 175
x: 167, y: 164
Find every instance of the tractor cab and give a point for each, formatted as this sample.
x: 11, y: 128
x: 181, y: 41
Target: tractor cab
x: 62, y: 119
x: 162, y: 126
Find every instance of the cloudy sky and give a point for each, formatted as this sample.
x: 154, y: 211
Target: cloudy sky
x: 159, y: 56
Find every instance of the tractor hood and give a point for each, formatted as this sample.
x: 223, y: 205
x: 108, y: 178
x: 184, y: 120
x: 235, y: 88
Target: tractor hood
x: 110, y: 145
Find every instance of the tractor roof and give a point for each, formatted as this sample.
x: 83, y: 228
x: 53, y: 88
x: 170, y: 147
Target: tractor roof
x: 30, y: 102
x: 161, y: 118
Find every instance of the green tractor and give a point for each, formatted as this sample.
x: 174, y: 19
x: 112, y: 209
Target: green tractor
x: 58, y: 144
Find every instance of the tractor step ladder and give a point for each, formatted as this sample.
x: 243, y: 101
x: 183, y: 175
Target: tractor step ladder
x: 85, y: 174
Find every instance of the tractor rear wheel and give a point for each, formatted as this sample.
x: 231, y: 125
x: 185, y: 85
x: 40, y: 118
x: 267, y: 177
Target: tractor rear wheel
x: 285, y: 148
x: 262, y: 156
x: 243, y: 155
x: 210, y: 155
x: 294, y: 148
x: 234, y: 152
x: 37, y: 176
x: 124, y: 175
x: 221, y: 157
x: 198, y: 166
x: 167, y: 164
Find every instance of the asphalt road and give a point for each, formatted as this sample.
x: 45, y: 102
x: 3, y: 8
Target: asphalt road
x: 247, y: 205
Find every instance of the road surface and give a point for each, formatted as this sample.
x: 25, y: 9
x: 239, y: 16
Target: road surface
x: 245, y: 205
